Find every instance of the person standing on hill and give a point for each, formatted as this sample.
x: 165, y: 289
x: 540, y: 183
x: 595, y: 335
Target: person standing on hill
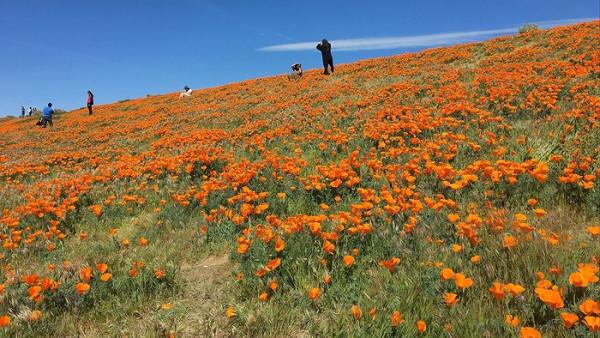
x: 90, y: 102
x: 22, y: 111
x: 325, y: 48
x: 30, y: 112
x: 47, y: 115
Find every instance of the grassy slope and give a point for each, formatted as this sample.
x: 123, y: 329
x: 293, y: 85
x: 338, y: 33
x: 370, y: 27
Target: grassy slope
x: 411, y: 138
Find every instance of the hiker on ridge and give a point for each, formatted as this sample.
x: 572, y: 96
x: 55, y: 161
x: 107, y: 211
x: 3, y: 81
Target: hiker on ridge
x: 186, y: 92
x: 90, y: 102
x: 30, y: 112
x: 22, y: 111
x: 325, y: 48
x: 47, y: 115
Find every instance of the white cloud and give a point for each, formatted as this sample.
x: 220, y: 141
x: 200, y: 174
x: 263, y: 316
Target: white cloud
x: 413, y: 41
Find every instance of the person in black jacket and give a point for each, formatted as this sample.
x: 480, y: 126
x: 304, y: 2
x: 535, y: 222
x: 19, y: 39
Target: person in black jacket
x: 325, y: 48
x: 90, y: 102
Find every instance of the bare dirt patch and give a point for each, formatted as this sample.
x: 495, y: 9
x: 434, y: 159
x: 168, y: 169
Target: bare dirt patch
x: 205, y: 296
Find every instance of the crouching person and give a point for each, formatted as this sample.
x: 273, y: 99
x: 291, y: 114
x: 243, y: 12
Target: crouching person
x: 187, y: 92
x: 47, y: 115
x: 296, y: 72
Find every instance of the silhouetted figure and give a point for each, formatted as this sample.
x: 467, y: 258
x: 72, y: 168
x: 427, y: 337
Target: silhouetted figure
x: 22, y: 111
x: 90, y: 102
x: 325, y: 48
x: 296, y: 72
x: 30, y: 112
x: 47, y: 115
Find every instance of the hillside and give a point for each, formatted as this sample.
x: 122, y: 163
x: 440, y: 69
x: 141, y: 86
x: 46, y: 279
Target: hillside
x: 452, y: 191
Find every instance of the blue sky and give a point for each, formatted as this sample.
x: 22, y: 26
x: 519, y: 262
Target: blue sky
x: 57, y: 50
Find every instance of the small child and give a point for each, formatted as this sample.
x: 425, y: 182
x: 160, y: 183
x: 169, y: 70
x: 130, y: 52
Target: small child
x: 186, y: 92
x: 296, y: 72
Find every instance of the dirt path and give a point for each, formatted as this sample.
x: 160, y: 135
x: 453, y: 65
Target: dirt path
x: 205, y: 297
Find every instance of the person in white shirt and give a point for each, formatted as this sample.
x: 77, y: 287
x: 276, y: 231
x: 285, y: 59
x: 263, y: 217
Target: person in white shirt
x: 296, y: 72
x: 186, y: 92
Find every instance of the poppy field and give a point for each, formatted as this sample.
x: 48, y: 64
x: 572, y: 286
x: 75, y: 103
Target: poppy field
x: 447, y: 193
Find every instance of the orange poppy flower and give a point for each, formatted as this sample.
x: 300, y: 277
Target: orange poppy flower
x: 592, y: 323
x: 82, y: 288
x: 273, y: 264
x: 31, y: 279
x: 540, y: 212
x: 569, y: 319
x: 446, y: 274
x: 279, y: 245
x: 142, y: 241
x: 263, y: 296
x: 511, y: 320
x: 4, y: 321
x: 509, y: 242
x: 314, y: 293
x: 450, y: 299
x: 105, y: 277
x: 159, y: 274
x: 328, y: 247
x: 85, y: 274
x: 590, y: 307
x: 462, y: 282
x: 243, y: 248
x: 348, y: 260
x: 514, y: 289
x: 497, y: 290
x: 453, y: 218
x: 530, y: 332
x: 540, y: 276
x: 578, y: 280
x: 356, y: 312
x: 396, y: 318
x: 390, y: 264
x: 551, y: 297
x: 230, y: 312
x: 102, y: 267
x: 34, y: 291
x: 421, y: 326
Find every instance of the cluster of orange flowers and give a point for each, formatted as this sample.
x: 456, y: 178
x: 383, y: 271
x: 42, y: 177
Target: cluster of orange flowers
x: 429, y: 155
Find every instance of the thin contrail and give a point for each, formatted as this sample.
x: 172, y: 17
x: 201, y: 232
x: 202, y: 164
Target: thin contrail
x: 413, y: 41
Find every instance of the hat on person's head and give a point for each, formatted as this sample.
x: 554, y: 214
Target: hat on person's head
x: 49, y: 104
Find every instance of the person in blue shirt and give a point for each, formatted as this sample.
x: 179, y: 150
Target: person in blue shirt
x: 47, y: 115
